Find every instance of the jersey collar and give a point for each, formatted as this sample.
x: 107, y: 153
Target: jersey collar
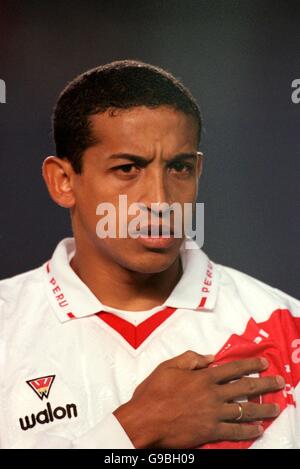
x: 71, y: 298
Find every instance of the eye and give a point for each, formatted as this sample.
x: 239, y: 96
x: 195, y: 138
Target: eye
x: 129, y: 169
x: 182, y: 167
x: 126, y: 168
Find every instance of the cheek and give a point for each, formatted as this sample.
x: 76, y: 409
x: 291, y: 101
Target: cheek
x: 87, y: 200
x: 185, y: 193
x: 92, y: 192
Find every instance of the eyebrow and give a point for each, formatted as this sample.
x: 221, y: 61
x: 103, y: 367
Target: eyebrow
x: 143, y: 159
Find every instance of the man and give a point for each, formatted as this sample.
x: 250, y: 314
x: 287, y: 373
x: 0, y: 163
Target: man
x: 135, y: 342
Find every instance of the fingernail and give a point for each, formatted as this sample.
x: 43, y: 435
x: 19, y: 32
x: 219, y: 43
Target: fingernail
x: 260, y: 429
x: 264, y: 362
x: 280, y: 381
x: 210, y: 358
x: 259, y: 422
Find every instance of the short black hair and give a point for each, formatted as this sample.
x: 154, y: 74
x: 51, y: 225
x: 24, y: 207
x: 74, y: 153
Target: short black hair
x: 122, y: 84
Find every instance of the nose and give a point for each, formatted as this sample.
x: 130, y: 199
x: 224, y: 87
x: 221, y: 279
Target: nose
x: 156, y: 189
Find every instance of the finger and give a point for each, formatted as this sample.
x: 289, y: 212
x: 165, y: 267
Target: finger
x: 189, y: 360
x: 238, y: 368
x: 250, y: 411
x: 238, y: 431
x: 245, y: 387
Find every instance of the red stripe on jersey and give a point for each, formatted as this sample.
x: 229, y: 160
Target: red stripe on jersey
x: 278, y: 340
x: 71, y: 315
x: 136, y: 335
x: 202, y: 302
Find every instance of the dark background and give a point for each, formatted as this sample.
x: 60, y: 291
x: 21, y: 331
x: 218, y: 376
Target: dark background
x: 237, y: 57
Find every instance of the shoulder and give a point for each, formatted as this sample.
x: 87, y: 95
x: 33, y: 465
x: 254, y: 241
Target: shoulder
x: 21, y: 288
x: 254, y: 293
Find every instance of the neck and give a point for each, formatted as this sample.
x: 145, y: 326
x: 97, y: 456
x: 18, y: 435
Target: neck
x: 135, y: 291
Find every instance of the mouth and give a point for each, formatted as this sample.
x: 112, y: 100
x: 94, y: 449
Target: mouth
x: 156, y: 236
x: 154, y: 231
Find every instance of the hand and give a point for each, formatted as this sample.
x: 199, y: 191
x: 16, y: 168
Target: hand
x: 184, y: 404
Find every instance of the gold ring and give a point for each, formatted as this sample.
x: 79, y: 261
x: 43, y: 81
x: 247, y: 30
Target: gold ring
x: 241, y: 413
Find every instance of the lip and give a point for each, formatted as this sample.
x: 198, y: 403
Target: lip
x: 156, y: 242
x: 155, y: 236
x: 155, y: 231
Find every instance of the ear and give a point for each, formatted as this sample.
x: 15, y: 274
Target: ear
x: 200, y: 158
x: 58, y: 175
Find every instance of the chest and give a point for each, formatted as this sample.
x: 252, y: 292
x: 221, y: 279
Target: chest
x: 66, y: 378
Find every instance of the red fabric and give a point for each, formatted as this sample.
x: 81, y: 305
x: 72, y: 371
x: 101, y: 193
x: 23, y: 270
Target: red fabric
x: 278, y: 340
x: 136, y: 335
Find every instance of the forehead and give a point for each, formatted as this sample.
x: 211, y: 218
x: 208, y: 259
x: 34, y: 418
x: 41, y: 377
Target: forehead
x: 143, y: 127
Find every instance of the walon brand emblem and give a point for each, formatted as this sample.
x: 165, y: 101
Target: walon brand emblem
x: 41, y: 386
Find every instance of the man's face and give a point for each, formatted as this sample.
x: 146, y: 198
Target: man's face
x: 149, y: 155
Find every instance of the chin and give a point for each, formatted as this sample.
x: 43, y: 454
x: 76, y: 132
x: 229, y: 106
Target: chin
x: 136, y: 258
x: 151, y: 262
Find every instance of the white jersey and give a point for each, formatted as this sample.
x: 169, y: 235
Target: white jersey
x: 68, y: 361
